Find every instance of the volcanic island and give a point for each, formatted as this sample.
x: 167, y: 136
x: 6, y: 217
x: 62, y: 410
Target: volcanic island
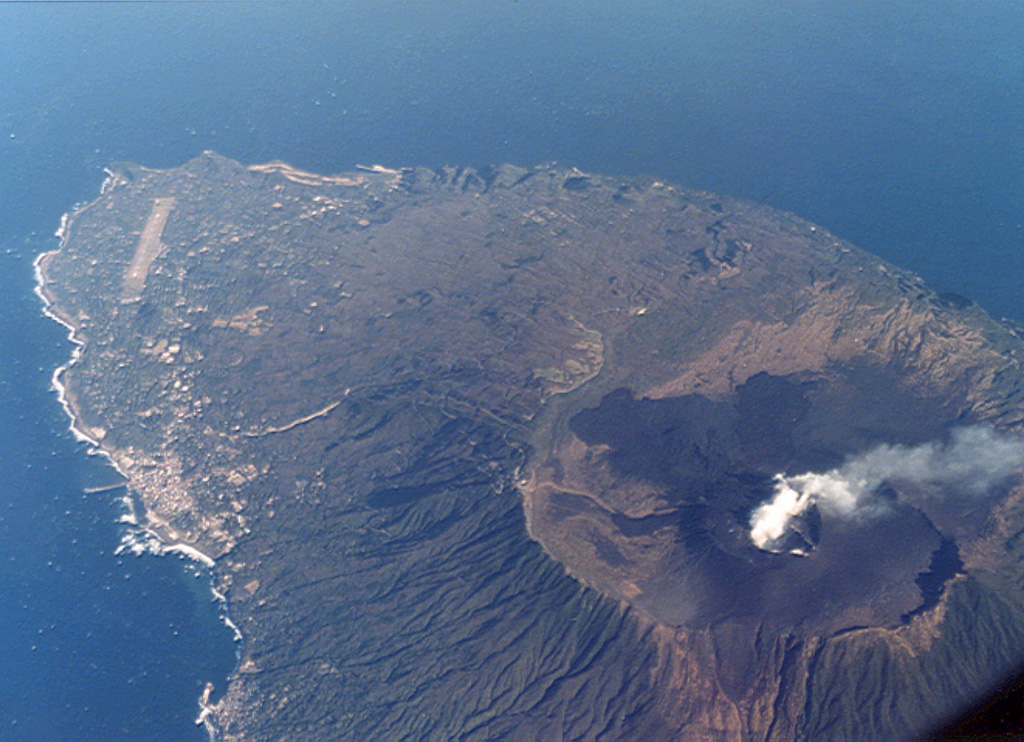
x: 475, y: 453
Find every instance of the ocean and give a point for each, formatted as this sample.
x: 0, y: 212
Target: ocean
x: 897, y: 125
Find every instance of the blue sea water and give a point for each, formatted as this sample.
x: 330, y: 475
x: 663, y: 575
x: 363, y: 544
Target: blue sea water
x: 898, y: 125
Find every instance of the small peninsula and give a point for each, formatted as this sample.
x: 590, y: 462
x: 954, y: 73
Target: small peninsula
x: 474, y: 453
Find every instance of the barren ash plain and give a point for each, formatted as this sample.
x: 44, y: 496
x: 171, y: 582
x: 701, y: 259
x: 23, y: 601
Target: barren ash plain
x: 476, y: 454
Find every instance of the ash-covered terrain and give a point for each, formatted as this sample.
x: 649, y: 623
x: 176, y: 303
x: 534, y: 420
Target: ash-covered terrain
x: 532, y: 454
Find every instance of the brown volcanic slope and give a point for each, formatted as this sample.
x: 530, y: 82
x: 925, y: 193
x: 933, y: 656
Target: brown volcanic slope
x: 348, y: 390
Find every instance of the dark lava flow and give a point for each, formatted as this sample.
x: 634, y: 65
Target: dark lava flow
x: 945, y: 565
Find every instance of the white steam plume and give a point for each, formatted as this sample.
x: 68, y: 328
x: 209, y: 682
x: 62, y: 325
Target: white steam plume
x: 974, y: 461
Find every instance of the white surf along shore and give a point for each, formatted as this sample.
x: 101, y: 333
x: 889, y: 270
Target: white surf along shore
x: 138, y: 537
